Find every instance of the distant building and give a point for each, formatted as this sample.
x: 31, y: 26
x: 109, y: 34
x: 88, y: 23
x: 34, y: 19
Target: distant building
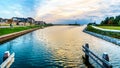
x: 40, y: 22
x: 1, y: 20
x: 19, y: 21
x: 30, y: 20
x: 4, y: 20
x: 23, y: 21
x: 15, y: 19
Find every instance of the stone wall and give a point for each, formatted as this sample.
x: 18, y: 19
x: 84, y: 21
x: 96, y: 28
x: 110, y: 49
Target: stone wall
x: 107, y: 38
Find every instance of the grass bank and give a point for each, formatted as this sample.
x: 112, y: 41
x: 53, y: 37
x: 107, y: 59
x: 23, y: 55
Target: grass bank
x: 106, y: 33
x: 110, y: 27
x: 4, y: 31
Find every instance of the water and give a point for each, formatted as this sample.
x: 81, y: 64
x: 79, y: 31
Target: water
x: 57, y: 47
x: 29, y: 53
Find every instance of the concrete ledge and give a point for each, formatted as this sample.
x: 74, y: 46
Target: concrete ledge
x: 107, y: 38
x: 7, y: 37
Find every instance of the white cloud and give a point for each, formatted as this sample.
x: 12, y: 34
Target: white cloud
x: 54, y: 10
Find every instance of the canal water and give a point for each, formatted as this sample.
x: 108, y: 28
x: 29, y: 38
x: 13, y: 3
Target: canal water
x: 57, y: 47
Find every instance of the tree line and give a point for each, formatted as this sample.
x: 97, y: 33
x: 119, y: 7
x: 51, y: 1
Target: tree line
x: 114, y: 21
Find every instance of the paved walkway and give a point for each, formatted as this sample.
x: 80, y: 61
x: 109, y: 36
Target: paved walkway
x: 106, y: 29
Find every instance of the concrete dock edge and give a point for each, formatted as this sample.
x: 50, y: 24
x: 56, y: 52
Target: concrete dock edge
x: 107, y: 38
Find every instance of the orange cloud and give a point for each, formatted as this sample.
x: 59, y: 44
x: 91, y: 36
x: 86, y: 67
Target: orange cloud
x: 53, y: 10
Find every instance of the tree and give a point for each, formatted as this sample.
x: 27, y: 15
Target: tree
x: 117, y: 19
x: 119, y: 23
x: 111, y: 21
x: 10, y: 22
x: 102, y: 22
x: 106, y: 20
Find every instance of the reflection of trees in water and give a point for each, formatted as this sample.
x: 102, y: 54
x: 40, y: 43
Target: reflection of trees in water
x: 23, y: 39
x: 31, y: 38
x: 9, y: 46
x: 27, y: 38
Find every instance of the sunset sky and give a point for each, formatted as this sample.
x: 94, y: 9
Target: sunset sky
x: 61, y: 11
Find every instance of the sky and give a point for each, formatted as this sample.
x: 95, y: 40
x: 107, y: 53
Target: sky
x: 61, y: 11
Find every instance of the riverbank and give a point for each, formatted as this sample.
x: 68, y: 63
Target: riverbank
x: 110, y: 27
x: 106, y: 32
x: 4, y: 31
x: 11, y: 33
x: 7, y: 37
x: 109, y: 36
x: 58, y: 46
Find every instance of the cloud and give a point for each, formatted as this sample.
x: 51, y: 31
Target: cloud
x: 60, y: 10
x: 19, y: 8
x: 56, y: 10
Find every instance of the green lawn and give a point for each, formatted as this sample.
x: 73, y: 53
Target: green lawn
x: 110, y: 27
x: 4, y: 31
x: 107, y: 33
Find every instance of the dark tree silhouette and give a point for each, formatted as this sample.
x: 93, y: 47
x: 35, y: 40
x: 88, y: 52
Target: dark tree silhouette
x: 114, y: 21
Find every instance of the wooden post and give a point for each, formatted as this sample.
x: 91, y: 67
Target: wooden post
x: 87, y: 56
x: 106, y: 57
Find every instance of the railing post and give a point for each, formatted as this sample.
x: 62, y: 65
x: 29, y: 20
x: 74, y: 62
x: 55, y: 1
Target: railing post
x: 87, y: 56
x: 106, y: 57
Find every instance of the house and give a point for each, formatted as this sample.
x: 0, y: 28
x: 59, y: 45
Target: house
x: 15, y: 19
x: 5, y: 20
x: 30, y: 20
x: 1, y: 20
x: 40, y: 22
x: 25, y: 21
x: 18, y: 20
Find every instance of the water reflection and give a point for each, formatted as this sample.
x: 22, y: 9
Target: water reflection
x: 64, y: 44
x: 9, y: 47
x: 57, y: 46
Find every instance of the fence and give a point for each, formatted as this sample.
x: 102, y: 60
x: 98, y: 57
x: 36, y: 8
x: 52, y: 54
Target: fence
x: 7, y: 61
x: 103, y: 63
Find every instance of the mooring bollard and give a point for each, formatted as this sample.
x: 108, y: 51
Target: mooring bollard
x: 103, y: 63
x: 87, y: 56
x: 106, y: 57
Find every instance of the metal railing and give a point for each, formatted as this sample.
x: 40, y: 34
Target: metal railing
x: 7, y: 61
x: 103, y: 63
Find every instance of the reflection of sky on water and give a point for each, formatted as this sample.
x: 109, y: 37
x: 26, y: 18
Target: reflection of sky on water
x: 57, y: 46
x: 66, y: 42
x: 28, y: 52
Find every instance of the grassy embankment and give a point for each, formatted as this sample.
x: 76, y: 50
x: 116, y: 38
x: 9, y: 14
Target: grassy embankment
x: 110, y: 27
x: 107, y: 33
x: 4, y: 31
